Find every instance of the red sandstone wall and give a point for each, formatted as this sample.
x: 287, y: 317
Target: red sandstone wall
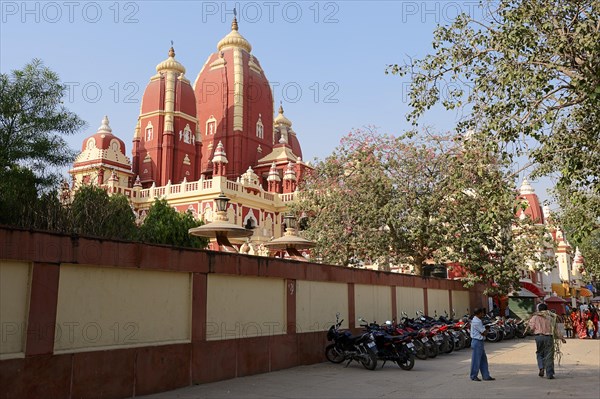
x: 118, y: 373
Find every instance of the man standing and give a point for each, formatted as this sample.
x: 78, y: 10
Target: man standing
x: 543, y: 325
x: 479, y: 360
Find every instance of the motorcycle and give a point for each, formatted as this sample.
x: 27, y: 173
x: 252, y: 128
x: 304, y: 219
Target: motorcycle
x: 520, y: 328
x: 346, y: 347
x: 456, y: 331
x: 397, y: 348
x: 495, y: 332
x: 425, y: 347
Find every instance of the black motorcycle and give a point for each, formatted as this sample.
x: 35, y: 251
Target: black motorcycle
x: 348, y: 347
x: 395, y: 348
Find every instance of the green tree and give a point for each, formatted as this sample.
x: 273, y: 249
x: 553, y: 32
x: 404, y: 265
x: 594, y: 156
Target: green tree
x: 32, y: 120
x: 18, y: 196
x: 93, y: 212
x: 485, y: 235
x: 32, y: 123
x: 164, y: 225
x: 530, y: 70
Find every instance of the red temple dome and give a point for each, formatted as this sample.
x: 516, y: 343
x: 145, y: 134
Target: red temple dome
x: 534, y: 210
x: 234, y: 105
x: 103, y: 147
x: 166, y: 144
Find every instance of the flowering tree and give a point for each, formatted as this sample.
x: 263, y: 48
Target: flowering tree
x: 344, y: 197
x: 414, y: 201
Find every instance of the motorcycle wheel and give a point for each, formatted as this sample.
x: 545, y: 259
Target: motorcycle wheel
x: 500, y: 335
x: 512, y: 332
x: 449, y: 344
x: 462, y: 341
x: 520, y: 333
x: 370, y: 363
x: 467, y: 339
x: 333, y: 354
x: 494, y: 335
x: 407, y: 364
x: 421, y: 351
x: 432, y: 350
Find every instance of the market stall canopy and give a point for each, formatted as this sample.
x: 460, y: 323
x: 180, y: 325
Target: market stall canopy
x: 556, y: 304
x: 537, y: 291
x: 585, y: 292
x: 555, y: 299
x: 561, y: 289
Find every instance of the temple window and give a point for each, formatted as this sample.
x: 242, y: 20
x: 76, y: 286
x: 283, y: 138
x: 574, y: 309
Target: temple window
x: 211, y: 126
x: 91, y: 144
x: 114, y: 144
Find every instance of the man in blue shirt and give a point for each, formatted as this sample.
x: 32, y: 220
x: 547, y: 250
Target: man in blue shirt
x: 478, y: 357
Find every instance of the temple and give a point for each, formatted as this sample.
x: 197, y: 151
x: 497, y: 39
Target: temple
x: 193, y: 142
x: 564, y: 279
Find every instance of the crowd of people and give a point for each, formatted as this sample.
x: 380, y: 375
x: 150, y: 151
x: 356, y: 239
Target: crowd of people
x: 582, y: 322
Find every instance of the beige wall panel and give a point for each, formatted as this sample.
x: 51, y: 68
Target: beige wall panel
x: 242, y: 307
x: 14, y: 299
x: 373, y: 303
x: 317, y: 303
x: 460, y: 303
x: 409, y: 300
x: 438, y: 301
x: 102, y: 307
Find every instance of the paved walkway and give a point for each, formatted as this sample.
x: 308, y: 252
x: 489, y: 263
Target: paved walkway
x: 512, y: 363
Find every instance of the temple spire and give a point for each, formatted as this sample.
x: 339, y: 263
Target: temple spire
x: 234, y: 23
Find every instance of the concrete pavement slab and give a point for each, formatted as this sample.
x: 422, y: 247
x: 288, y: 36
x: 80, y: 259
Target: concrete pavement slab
x: 512, y: 363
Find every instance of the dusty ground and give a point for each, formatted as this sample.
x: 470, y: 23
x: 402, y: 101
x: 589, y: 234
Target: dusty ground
x: 512, y: 363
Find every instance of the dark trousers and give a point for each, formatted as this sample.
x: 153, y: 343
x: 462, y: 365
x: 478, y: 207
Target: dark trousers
x: 545, y: 353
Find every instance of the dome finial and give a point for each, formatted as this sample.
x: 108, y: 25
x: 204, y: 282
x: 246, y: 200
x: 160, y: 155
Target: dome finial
x: 234, y: 24
x: 233, y: 38
x: 172, y: 50
x: 281, y: 119
x: 105, y: 127
x: 526, y: 188
x: 170, y: 63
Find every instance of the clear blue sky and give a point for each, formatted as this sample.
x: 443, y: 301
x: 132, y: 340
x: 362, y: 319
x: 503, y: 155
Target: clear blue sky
x: 325, y: 59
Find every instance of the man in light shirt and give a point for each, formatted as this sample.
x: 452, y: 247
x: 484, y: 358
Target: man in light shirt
x: 543, y: 325
x: 479, y: 360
